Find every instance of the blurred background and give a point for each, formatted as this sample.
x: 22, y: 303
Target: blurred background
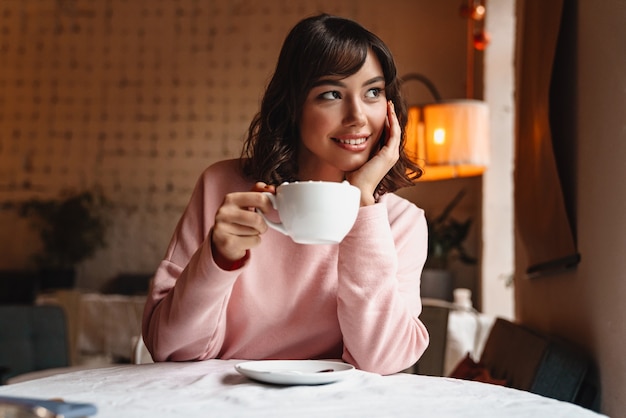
x: 133, y: 99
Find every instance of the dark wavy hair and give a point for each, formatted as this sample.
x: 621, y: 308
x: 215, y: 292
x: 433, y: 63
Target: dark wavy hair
x: 316, y: 47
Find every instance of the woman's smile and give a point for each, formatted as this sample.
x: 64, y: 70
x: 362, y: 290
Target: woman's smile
x: 352, y: 142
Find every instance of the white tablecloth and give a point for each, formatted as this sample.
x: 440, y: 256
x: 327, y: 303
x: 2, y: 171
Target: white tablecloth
x: 467, y: 333
x: 108, y: 324
x: 214, y: 389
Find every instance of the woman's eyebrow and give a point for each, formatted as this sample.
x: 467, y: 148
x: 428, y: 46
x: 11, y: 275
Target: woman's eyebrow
x: 339, y: 83
x: 374, y: 80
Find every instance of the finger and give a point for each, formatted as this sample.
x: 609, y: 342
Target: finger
x: 240, y: 220
x: 389, y: 153
x: 263, y: 187
x: 230, y: 246
x: 259, y: 186
x: 248, y: 200
x: 236, y: 230
x: 242, y: 227
x: 394, y: 126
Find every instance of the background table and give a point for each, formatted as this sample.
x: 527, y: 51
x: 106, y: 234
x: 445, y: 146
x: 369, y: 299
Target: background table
x: 102, y: 327
x: 214, y: 388
x: 462, y: 331
x: 108, y: 324
x: 467, y: 333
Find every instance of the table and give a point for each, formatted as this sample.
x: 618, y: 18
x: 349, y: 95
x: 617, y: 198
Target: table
x: 214, y: 388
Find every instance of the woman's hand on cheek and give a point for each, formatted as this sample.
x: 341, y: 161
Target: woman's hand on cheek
x: 372, y: 172
x: 238, y: 227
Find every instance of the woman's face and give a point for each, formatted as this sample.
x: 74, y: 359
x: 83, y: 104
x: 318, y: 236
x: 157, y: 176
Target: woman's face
x: 342, y: 121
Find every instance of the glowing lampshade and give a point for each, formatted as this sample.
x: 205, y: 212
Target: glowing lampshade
x: 449, y: 139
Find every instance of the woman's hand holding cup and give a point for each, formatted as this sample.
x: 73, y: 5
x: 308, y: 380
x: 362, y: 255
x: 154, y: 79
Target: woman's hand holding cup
x: 238, y: 227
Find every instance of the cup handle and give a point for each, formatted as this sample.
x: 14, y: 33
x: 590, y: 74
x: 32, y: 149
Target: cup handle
x: 278, y: 226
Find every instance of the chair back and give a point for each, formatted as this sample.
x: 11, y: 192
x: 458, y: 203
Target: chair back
x: 538, y: 363
x: 32, y: 338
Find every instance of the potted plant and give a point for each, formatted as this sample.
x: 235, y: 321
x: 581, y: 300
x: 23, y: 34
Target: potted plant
x: 446, y: 238
x: 71, y: 228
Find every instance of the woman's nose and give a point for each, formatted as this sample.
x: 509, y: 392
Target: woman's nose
x: 354, y: 113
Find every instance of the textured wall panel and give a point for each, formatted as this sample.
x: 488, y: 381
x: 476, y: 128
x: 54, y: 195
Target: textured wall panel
x: 138, y: 96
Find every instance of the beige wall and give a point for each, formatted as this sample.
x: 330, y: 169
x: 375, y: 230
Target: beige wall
x: 139, y: 96
x: 587, y: 305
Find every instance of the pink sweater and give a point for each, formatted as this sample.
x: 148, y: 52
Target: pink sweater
x: 358, y: 300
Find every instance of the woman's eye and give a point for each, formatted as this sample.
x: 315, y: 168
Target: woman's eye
x: 330, y: 95
x: 372, y: 93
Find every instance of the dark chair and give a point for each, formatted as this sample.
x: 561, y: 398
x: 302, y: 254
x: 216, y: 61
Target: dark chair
x: 32, y: 338
x: 541, y: 364
x: 435, y: 318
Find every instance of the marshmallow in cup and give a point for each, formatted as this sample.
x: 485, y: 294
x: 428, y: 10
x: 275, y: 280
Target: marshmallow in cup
x: 315, y: 212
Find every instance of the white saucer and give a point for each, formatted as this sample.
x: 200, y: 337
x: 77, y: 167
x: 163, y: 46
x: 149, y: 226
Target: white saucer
x: 295, y: 372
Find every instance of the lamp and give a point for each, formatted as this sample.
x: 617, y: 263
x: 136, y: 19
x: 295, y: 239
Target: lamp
x: 447, y: 138
x: 450, y: 138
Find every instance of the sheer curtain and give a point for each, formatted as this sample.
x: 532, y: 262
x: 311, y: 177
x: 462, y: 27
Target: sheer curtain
x: 542, y: 222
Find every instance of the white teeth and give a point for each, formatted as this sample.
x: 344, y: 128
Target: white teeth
x: 352, y: 141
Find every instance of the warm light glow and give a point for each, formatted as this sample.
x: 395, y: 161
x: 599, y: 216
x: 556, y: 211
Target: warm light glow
x: 439, y: 136
x: 449, y: 139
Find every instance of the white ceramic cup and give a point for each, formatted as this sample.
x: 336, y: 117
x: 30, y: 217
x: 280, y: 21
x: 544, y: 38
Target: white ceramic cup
x: 315, y: 212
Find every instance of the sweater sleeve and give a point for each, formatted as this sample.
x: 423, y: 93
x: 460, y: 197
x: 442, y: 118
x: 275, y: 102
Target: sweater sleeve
x: 184, y: 314
x: 380, y: 263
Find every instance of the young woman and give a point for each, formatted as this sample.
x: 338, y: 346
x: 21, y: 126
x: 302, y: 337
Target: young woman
x: 231, y: 288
